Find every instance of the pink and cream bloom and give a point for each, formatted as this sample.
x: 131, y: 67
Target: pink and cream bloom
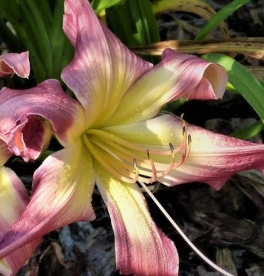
x: 24, y: 133
x: 13, y: 195
x: 115, y: 137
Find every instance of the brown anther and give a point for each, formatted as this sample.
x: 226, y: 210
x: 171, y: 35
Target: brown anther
x: 148, y: 154
x: 171, y: 147
x: 189, y: 139
x: 136, y: 170
x: 183, y: 130
x: 153, y: 169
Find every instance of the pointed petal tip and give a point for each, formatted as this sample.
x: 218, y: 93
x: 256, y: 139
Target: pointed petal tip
x: 215, y: 164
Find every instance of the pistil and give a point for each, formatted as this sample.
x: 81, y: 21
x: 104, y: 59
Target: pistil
x: 131, y: 162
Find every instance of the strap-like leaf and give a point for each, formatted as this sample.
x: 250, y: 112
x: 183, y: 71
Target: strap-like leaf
x: 219, y: 17
x: 198, y: 7
x: 244, y: 82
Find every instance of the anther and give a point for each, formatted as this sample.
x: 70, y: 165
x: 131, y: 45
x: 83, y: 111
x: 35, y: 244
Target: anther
x: 185, y: 147
x: 136, y: 170
x: 148, y: 154
x: 189, y: 139
x: 183, y: 130
x: 172, y: 163
x: 153, y: 169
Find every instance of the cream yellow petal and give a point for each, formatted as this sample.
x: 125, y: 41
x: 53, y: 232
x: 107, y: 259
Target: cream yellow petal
x: 176, y: 76
x: 102, y: 68
x: 141, y: 248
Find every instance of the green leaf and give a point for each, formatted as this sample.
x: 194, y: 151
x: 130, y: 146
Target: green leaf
x: 134, y: 22
x: 61, y: 48
x: 249, y: 131
x: 220, y: 16
x: 243, y: 81
x: 100, y: 5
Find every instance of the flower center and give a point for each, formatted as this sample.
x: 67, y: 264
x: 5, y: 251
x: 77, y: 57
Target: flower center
x: 130, y: 162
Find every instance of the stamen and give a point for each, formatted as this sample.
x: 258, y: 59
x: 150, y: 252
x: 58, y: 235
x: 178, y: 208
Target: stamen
x: 105, y: 164
x: 188, y: 149
x: 115, y: 154
x: 136, y: 170
x: 186, y: 145
x: 183, y: 130
x: 172, y: 163
x: 153, y: 169
x: 111, y: 137
x: 194, y: 248
x: 189, y: 139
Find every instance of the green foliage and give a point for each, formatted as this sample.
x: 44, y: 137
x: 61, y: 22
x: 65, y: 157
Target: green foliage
x: 134, y: 23
x: 100, y: 5
x: 244, y: 83
x: 219, y: 17
x: 38, y: 29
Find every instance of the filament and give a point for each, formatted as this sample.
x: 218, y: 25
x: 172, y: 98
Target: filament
x: 117, y: 154
x: 194, y: 248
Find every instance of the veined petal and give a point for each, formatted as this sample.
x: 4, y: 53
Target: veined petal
x: 12, y: 63
x: 213, y: 158
x: 37, y: 133
x: 176, y: 76
x: 103, y: 68
x: 13, y: 201
x: 141, y: 248
x: 47, y: 100
x: 62, y: 190
x: 29, y: 138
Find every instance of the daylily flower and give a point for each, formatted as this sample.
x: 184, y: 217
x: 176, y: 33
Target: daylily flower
x: 13, y: 196
x: 113, y: 135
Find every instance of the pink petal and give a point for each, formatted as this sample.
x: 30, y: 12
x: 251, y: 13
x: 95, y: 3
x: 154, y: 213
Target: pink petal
x: 213, y: 157
x: 176, y: 76
x: 28, y: 138
x: 62, y: 191
x: 47, y: 100
x: 141, y: 248
x: 15, y: 64
x: 36, y: 135
x: 103, y: 68
x: 13, y: 201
